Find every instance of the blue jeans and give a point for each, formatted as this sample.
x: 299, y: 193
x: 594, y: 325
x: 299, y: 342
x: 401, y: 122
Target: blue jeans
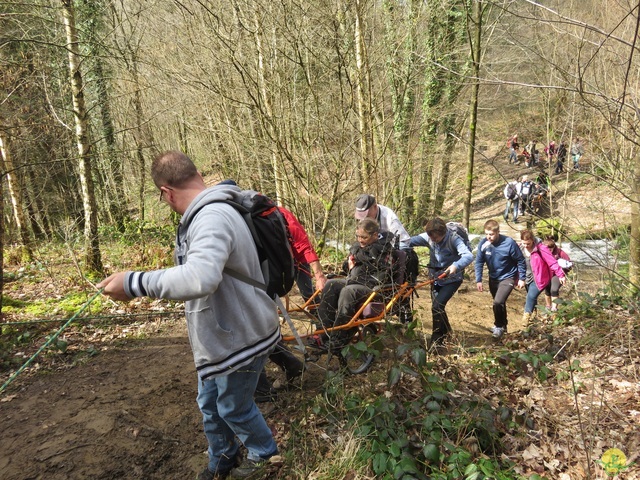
x: 533, y: 292
x: 513, y: 156
x: 515, y: 203
x: 228, y: 410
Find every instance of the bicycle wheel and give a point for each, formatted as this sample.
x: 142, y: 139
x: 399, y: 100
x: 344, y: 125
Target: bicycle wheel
x: 358, y: 356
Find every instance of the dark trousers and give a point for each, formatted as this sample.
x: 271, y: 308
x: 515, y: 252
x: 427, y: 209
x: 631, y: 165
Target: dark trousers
x: 303, y: 280
x: 440, y: 295
x: 340, y: 302
x: 500, y: 291
x: 287, y: 361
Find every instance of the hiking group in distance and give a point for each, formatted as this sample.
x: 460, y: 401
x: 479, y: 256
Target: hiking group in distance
x: 528, y: 195
x: 530, y: 154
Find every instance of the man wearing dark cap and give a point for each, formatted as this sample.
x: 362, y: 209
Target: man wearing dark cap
x: 366, y: 206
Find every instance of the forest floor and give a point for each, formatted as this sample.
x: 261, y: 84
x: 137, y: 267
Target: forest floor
x: 119, y: 402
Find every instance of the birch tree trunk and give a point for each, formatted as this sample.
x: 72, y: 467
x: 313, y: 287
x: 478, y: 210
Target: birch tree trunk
x: 15, y: 195
x: 93, y: 261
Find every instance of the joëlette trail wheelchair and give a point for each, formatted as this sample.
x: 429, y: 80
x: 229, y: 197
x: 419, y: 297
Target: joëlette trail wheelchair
x: 357, y: 353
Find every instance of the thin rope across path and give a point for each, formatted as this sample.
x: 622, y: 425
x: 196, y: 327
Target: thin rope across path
x: 48, y: 342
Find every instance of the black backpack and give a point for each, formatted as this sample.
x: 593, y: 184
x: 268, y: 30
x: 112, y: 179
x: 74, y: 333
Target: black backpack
x: 511, y: 191
x: 270, y: 233
x: 458, y: 229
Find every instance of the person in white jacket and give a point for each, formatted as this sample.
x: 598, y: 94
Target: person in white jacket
x: 232, y: 325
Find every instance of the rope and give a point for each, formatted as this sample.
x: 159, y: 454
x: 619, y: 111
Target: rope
x: 95, y: 317
x: 48, y: 342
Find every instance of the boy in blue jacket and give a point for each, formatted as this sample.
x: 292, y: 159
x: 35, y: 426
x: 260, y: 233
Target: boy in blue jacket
x: 507, y: 269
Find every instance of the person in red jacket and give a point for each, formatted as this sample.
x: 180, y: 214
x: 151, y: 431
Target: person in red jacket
x: 306, y: 259
x: 305, y: 256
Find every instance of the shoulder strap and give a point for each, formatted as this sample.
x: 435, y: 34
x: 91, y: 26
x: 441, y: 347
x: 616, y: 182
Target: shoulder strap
x: 246, y: 216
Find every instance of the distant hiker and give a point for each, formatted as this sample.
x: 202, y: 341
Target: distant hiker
x: 232, y: 325
x: 550, y: 151
x: 531, y: 148
x: 552, y: 291
x: 514, y: 146
x: 507, y: 269
x: 526, y: 191
x: 448, y: 253
x: 527, y: 156
x: 512, y: 195
x: 577, y: 150
x: 541, y: 267
x: 562, y: 157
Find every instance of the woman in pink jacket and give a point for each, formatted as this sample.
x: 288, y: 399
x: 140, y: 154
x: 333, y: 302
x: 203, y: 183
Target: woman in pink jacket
x: 552, y: 292
x: 541, y: 266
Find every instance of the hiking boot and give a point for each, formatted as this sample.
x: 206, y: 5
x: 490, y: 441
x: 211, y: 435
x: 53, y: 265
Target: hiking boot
x: 498, y: 332
x: 266, y: 395
x: 249, y: 469
x: 207, y: 474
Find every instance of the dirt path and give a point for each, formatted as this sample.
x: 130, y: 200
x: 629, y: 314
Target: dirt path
x: 130, y: 412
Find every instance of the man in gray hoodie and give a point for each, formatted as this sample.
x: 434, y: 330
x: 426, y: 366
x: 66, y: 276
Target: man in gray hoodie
x: 232, y: 325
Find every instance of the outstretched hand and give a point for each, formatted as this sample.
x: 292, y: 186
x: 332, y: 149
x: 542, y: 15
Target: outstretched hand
x: 113, y: 287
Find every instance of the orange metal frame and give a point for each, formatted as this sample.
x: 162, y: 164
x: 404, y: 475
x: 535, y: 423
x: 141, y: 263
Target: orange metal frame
x: 400, y: 293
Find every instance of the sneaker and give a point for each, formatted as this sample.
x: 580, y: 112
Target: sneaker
x: 250, y: 469
x: 498, y: 332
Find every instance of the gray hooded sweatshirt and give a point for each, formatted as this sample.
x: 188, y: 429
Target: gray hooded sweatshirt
x: 229, y: 321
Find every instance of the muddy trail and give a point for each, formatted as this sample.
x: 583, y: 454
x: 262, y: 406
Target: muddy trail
x: 129, y: 412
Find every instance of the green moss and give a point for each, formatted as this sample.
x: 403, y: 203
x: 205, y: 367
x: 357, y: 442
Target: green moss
x: 49, y: 307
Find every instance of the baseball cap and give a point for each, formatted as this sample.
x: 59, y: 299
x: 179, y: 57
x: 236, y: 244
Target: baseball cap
x: 363, y: 204
x: 228, y: 181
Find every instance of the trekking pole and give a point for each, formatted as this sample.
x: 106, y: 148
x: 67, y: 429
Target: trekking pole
x: 285, y: 314
x: 48, y: 342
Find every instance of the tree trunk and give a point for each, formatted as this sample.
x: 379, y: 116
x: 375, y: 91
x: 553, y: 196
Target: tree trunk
x: 268, y: 120
x: 113, y: 169
x: 93, y: 261
x: 634, y: 243
x: 363, y: 93
x: 15, y: 194
x: 476, y: 49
